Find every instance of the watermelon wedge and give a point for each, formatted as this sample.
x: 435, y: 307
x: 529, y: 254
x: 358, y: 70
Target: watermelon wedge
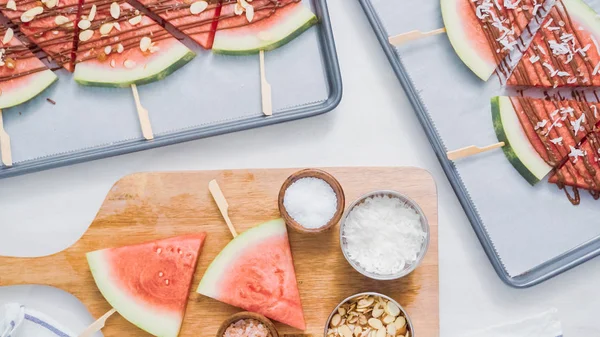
x: 539, y: 130
x: 273, y: 24
x: 255, y: 272
x: 22, y: 75
x: 49, y: 24
x: 121, y: 46
x: 565, y: 50
x: 197, y: 19
x: 484, y: 32
x: 148, y: 284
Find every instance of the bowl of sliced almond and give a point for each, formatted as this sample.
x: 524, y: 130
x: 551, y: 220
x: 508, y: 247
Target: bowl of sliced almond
x: 369, y: 315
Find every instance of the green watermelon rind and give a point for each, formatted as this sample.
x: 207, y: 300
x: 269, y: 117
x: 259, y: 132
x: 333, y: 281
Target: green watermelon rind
x: 39, y: 82
x: 460, y: 41
x: 209, y: 286
x: 157, y: 323
x: 300, y: 20
x: 517, y: 149
x: 176, y: 57
x: 583, y: 14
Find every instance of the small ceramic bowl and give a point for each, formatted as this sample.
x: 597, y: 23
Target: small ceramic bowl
x: 409, y: 268
x: 312, y: 173
x: 409, y: 324
x: 247, y: 315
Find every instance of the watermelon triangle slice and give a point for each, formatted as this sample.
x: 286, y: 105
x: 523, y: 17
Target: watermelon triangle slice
x: 38, y: 21
x: 149, y: 283
x: 484, y: 32
x: 274, y: 24
x: 564, y: 51
x: 255, y: 272
x: 121, y: 46
x: 22, y: 75
x: 540, y: 134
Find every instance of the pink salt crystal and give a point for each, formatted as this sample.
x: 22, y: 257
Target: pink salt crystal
x: 246, y: 328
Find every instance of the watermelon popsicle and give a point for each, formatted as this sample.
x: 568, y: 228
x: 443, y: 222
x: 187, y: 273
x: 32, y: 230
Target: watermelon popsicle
x: 148, y: 284
x: 22, y: 77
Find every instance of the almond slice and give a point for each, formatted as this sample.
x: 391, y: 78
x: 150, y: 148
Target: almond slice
x: 12, y: 5
x: 106, y: 28
x: 115, y: 10
x: 51, y: 3
x: 84, y: 24
x: 120, y: 48
x: 107, y: 50
x: 61, y: 20
x: 375, y: 323
x: 113, y: 63
x: 238, y: 9
x: 92, y: 13
x: 86, y: 35
x: 117, y: 26
x: 30, y: 14
x: 392, y: 309
x: 8, y: 36
x: 135, y: 20
x: 198, y: 7
x: 129, y: 64
x: 145, y: 43
x: 249, y: 13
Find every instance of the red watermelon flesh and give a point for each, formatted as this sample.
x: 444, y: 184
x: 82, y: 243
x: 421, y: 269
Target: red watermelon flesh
x: 149, y: 283
x: 582, y: 169
x: 564, y: 52
x: 255, y: 272
x: 55, y: 40
x: 199, y: 27
x: 553, y: 127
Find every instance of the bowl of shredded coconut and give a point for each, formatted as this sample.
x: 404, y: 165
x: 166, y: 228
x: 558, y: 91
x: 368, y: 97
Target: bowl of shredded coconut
x: 384, y: 235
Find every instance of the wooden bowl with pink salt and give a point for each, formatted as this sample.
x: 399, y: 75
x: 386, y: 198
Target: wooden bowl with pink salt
x: 246, y: 324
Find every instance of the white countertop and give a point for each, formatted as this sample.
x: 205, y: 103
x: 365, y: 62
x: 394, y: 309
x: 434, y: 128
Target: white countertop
x: 373, y: 126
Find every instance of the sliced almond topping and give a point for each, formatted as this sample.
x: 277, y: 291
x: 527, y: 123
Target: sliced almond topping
x: 84, y: 24
x: 129, y: 64
x: 381, y: 332
x: 135, y: 20
x: 10, y: 63
x: 107, y: 50
x: 115, y: 10
x: 120, y: 48
x: 391, y: 329
x: 387, y: 319
x: 31, y: 13
x: 106, y: 28
x: 375, y: 323
x: 145, y: 43
x: 61, y: 20
x: 92, y: 13
x: 249, y: 13
x: 400, y: 324
x: 12, y: 5
x: 335, y: 320
x: 117, y: 26
x: 86, y: 35
x: 137, y: 12
x: 51, y: 3
x: 153, y: 48
x: 392, y: 309
x: 113, y: 63
x: 345, y: 331
x: 8, y: 36
x: 198, y: 7
x: 238, y: 9
x: 341, y: 311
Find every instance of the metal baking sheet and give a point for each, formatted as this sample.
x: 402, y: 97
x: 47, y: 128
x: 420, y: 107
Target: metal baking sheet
x: 211, y: 95
x: 530, y: 234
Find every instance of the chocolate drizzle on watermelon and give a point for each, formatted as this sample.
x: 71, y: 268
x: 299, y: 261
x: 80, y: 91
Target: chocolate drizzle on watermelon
x: 16, y: 53
x: 562, y: 53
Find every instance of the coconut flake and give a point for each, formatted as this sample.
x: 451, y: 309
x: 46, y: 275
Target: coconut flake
x: 575, y: 154
x: 595, y: 108
x: 534, y: 59
x: 596, y: 69
x: 577, y: 124
x: 557, y: 141
x: 541, y: 124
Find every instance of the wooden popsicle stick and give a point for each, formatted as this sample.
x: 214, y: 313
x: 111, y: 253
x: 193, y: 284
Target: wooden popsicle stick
x: 413, y: 35
x: 98, y: 324
x: 142, y: 115
x: 265, y: 88
x: 5, y: 144
x: 472, y: 150
x: 217, y: 194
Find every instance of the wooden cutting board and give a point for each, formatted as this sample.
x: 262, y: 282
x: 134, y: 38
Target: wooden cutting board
x: 148, y: 206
